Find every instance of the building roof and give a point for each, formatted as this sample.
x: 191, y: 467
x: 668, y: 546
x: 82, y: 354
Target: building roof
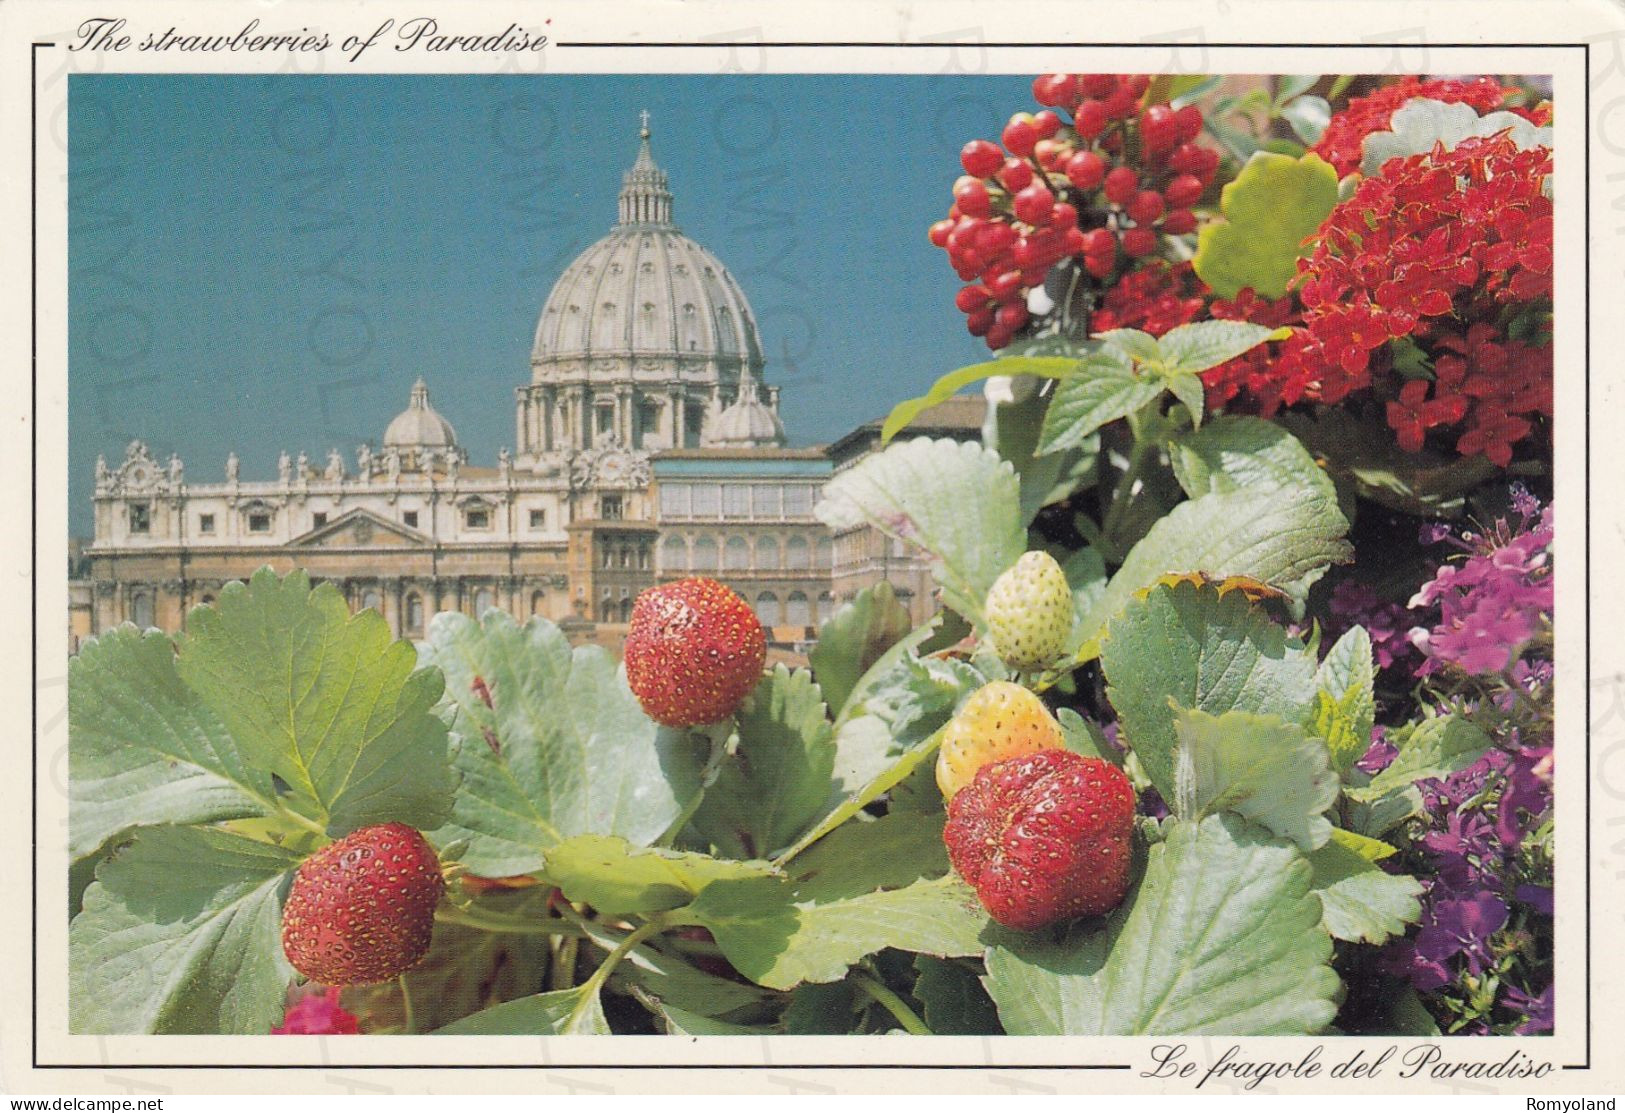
x: 420, y: 425
x: 647, y: 289
x: 958, y: 416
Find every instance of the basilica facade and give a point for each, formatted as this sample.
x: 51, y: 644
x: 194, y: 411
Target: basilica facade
x: 647, y: 447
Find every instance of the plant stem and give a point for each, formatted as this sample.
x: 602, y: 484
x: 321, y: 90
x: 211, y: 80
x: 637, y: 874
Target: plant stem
x: 882, y: 995
x: 718, y: 734
x: 595, y: 982
x: 450, y: 914
x: 409, y: 1024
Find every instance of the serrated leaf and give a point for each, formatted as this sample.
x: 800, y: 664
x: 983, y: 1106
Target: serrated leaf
x: 868, y: 886
x: 1191, y: 646
x: 1193, y: 348
x: 1235, y: 453
x: 854, y: 638
x: 821, y: 1009
x: 1273, y: 205
x: 1259, y: 767
x: 181, y: 934
x: 1284, y: 538
x: 1308, y: 117
x: 1420, y: 125
x: 1045, y: 367
x: 1345, y: 705
x: 1012, y: 427
x: 563, y: 1012
x: 778, y: 778
x: 1221, y: 937
x: 1372, y: 850
x: 777, y: 942
x: 618, y: 879
x: 1361, y: 902
x: 562, y: 749
x: 894, y: 773
x: 959, y: 502
x: 955, y: 1003
x: 144, y: 749
x: 1104, y: 390
x: 1140, y: 347
x: 327, y: 701
x: 1433, y: 748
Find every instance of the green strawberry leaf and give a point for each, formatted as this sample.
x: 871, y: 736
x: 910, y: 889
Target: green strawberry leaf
x: 1422, y: 124
x: 777, y: 779
x: 1234, y: 453
x: 562, y: 749
x: 1345, y: 707
x: 1191, y: 646
x: 1360, y: 902
x: 1258, y: 766
x: 327, y: 701
x: 884, y: 781
x: 619, y: 879
x: 959, y: 502
x: 956, y: 1004
x: 1012, y: 427
x: 181, y: 934
x: 1221, y: 937
x: 1284, y: 538
x: 670, y: 980
x: 1106, y: 388
x: 868, y: 886
x: 1274, y: 204
x: 1045, y: 367
x: 143, y: 749
x: 563, y: 1012
x: 854, y: 638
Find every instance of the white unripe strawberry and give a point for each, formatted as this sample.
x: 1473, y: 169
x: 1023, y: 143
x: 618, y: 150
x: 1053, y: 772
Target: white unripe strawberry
x: 1029, y: 612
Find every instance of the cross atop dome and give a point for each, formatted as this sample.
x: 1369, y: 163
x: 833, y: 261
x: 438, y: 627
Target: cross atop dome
x: 645, y: 198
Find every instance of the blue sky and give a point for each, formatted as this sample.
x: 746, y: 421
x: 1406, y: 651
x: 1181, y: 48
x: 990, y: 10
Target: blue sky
x: 263, y: 263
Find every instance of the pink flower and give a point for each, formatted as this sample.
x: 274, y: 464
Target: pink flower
x: 318, y: 1014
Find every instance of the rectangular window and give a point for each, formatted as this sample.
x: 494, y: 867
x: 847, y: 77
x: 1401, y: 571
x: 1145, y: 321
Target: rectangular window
x: 609, y: 507
x: 477, y: 517
x: 259, y: 522
x: 736, y: 501
x: 140, y: 517
x: 674, y: 500
x: 606, y: 419
x: 538, y: 519
x: 707, y: 500
x: 798, y: 500
x: 410, y: 517
x: 205, y: 523
x: 764, y: 501
x: 319, y: 518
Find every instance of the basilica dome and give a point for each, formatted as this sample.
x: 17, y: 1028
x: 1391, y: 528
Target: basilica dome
x: 419, y: 428
x: 647, y: 290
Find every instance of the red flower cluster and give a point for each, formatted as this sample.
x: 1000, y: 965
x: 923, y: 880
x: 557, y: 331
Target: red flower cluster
x: 318, y: 1013
x: 1090, y: 177
x: 1344, y: 135
x: 1271, y: 375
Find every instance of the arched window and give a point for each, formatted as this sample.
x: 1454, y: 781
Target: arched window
x: 370, y: 599
x: 767, y: 554
x: 826, y: 606
x: 823, y: 553
x: 643, y: 558
x: 797, y: 554
x: 484, y: 600
x: 797, y: 612
x: 626, y: 557
x: 736, y: 555
x: 673, y: 555
x: 538, y: 602
x: 767, y: 608
x: 606, y: 611
x: 141, y: 608
x: 705, y: 555
x: 626, y: 610
x: 414, y: 613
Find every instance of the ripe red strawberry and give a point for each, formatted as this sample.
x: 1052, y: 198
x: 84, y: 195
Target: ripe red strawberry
x: 361, y: 909
x: 694, y: 652
x: 1044, y: 837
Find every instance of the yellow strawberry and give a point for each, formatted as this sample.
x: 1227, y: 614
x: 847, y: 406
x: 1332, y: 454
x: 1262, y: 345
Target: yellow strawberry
x: 1000, y: 721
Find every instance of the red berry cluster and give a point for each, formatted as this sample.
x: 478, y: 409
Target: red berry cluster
x: 1091, y: 176
x: 1341, y: 143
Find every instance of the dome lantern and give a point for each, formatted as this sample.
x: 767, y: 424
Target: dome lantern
x: 645, y: 194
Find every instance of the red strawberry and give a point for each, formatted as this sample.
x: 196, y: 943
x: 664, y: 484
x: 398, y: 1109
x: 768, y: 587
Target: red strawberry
x: 361, y: 909
x: 693, y: 653
x: 1044, y: 837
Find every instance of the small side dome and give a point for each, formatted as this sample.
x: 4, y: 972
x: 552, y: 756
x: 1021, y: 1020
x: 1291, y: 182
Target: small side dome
x: 749, y: 422
x: 419, y: 427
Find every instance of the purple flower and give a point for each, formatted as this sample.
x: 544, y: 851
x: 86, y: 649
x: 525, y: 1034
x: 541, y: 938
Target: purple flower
x: 1379, y: 755
x: 1461, y: 927
x: 1537, y: 897
x: 1537, y: 1010
x: 1352, y: 604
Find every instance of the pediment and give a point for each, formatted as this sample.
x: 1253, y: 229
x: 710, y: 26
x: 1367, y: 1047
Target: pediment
x: 362, y: 529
